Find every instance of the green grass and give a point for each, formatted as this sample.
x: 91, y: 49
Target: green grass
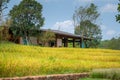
x: 112, y: 74
x: 19, y: 60
x: 104, y: 74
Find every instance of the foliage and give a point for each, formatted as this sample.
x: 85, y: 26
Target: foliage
x: 4, y: 30
x: 46, y: 37
x: 114, y: 43
x: 84, y: 22
x: 1, y: 29
x: 112, y: 74
x: 118, y: 15
x: 19, y: 60
x: 4, y: 35
x: 3, y: 5
x: 26, y: 16
x: 86, y: 13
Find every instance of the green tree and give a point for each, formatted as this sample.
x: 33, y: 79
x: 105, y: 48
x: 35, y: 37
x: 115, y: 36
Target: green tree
x: 26, y: 16
x: 1, y: 34
x: 114, y: 43
x: 85, y: 24
x: 46, y: 37
x: 3, y: 5
x: 118, y: 15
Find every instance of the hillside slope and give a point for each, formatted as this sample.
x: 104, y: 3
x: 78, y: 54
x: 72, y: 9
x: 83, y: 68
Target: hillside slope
x: 19, y: 60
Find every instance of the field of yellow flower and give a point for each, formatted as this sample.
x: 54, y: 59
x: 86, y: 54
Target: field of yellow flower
x: 20, y: 60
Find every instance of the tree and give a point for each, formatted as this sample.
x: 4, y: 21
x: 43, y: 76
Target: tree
x: 26, y: 17
x: 113, y: 43
x: 3, y: 5
x: 118, y: 15
x: 85, y: 24
x: 4, y: 30
x: 46, y: 37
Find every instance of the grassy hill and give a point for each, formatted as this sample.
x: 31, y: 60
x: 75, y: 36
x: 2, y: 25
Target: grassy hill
x: 19, y: 60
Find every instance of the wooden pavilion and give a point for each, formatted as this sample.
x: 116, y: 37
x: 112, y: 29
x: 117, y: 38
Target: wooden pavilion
x: 63, y: 38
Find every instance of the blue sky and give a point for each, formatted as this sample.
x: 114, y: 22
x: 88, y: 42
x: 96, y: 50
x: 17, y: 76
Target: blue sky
x: 58, y: 14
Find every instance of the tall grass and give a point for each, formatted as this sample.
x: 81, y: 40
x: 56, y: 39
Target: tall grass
x: 19, y: 60
x: 112, y: 74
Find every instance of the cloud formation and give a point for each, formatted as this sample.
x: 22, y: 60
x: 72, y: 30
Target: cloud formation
x: 103, y: 27
x: 109, y: 8
x: 111, y: 32
x: 66, y: 26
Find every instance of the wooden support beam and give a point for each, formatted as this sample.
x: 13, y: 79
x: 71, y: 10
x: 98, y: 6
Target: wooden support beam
x: 73, y: 42
x: 65, y: 42
x: 56, y: 41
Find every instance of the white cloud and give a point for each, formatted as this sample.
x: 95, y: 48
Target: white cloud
x: 103, y: 27
x: 111, y: 32
x: 66, y: 26
x: 109, y: 8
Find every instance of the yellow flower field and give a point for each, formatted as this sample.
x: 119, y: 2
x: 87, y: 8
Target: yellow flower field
x: 19, y: 60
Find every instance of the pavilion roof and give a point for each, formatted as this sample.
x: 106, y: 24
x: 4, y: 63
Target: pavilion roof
x: 66, y: 34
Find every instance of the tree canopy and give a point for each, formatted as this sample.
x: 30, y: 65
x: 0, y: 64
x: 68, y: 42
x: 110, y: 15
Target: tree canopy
x: 46, y: 37
x: 113, y: 43
x: 3, y: 4
x: 25, y: 17
x: 118, y: 15
x: 85, y: 23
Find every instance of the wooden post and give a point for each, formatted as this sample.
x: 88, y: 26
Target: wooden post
x: 66, y: 42
x: 55, y: 40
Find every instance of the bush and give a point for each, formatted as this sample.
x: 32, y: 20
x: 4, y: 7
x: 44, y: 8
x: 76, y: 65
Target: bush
x: 4, y: 33
x: 114, y: 43
x: 113, y: 74
x: 1, y: 28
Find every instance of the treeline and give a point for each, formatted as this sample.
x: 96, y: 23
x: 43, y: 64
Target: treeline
x: 114, y: 43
